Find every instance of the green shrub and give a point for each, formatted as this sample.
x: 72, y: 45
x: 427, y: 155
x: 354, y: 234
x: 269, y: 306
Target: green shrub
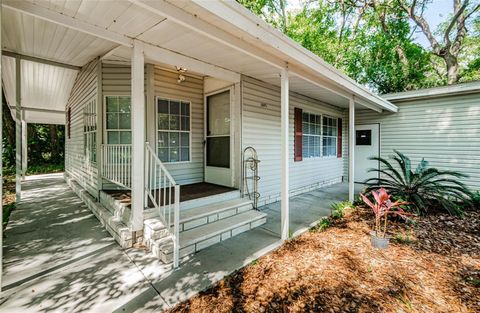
x: 324, y: 224
x: 338, y: 209
x: 476, y: 199
x: 424, y: 187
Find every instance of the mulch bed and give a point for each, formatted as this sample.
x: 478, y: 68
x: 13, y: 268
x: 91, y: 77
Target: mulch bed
x: 432, y: 265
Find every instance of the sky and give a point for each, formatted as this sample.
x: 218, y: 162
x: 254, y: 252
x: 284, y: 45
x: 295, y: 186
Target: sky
x: 437, y: 11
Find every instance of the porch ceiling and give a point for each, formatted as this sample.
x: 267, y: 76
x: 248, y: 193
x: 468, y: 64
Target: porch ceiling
x: 75, y: 32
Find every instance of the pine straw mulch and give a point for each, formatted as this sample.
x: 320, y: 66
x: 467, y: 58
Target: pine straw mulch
x: 431, y: 266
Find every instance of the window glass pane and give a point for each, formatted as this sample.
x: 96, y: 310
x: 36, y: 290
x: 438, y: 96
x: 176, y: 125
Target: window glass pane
x: 185, y: 109
x: 113, y: 137
x: 218, y: 107
x: 125, y: 121
x: 184, y: 154
x: 124, y: 104
x: 175, y: 107
x: 305, y: 117
x: 185, y: 123
x: 184, y: 139
x: 163, y: 106
x: 174, y: 157
x: 163, y: 121
x: 163, y: 154
x: 125, y: 137
x: 112, y: 104
x: 162, y: 139
x: 218, y: 151
x: 174, y: 122
x: 173, y: 140
x: 112, y: 120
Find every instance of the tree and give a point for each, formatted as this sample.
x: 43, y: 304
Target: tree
x: 450, y: 46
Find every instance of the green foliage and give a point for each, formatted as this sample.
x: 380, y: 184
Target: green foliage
x: 372, y: 42
x: 476, y: 199
x: 324, y: 224
x: 42, y: 169
x: 338, y: 209
x: 7, y: 210
x: 423, y: 187
x: 404, y: 238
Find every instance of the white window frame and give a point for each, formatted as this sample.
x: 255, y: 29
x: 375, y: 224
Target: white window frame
x: 105, y: 129
x: 90, y: 136
x: 157, y: 97
x: 336, y: 137
x: 312, y: 135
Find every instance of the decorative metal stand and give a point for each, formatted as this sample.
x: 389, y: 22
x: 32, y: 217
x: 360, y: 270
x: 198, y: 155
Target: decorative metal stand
x: 250, y: 175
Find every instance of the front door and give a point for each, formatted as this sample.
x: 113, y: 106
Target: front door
x: 217, y: 139
x: 367, y: 144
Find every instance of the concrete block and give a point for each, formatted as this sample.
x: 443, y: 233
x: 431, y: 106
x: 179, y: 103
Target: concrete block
x: 195, y: 223
x: 227, y: 213
x: 212, y: 218
x: 240, y: 229
x: 206, y: 243
x: 226, y: 235
x: 258, y: 222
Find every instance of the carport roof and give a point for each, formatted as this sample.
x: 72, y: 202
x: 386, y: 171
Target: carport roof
x: 213, y: 38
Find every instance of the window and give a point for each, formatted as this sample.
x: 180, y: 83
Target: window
x: 118, y: 120
x: 90, y: 131
x: 173, y: 130
x: 311, y: 128
x: 329, y: 136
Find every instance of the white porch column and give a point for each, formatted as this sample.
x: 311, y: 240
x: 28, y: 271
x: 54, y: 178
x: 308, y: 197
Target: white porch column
x: 1, y: 161
x: 138, y: 137
x: 284, y: 153
x: 18, y: 130
x: 351, y: 148
x: 24, y: 146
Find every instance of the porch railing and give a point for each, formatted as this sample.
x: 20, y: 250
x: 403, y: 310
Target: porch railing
x: 163, y: 192
x: 117, y: 164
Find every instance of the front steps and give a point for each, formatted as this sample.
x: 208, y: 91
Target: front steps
x: 203, y: 226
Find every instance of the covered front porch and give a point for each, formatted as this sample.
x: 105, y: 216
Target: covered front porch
x: 35, y: 279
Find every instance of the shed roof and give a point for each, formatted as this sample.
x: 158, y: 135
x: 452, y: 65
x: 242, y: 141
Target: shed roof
x: 435, y: 92
x: 211, y: 38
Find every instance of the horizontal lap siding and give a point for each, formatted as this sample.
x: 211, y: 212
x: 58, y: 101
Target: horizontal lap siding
x: 261, y: 130
x: 166, y: 86
x: 83, y: 91
x: 445, y: 131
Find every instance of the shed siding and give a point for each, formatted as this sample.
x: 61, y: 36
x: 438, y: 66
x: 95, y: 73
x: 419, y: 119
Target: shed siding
x: 445, y: 131
x: 261, y: 130
x: 83, y: 91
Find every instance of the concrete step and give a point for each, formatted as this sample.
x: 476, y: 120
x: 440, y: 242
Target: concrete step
x: 201, y: 237
x: 196, y: 217
x: 190, y: 204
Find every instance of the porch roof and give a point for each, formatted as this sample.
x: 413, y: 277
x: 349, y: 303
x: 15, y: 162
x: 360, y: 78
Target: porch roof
x: 221, y: 39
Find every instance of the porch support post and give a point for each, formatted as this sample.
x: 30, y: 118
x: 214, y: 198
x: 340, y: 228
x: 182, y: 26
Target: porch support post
x: 1, y: 159
x: 351, y: 147
x: 18, y: 131
x: 138, y: 138
x: 284, y: 95
x: 24, y: 145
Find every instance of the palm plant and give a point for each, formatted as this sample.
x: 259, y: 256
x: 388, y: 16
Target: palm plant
x: 423, y: 187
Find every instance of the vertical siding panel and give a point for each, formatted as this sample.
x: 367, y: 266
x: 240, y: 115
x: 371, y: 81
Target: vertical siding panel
x: 445, y: 131
x: 83, y: 91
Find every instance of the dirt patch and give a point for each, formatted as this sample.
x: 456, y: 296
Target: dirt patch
x: 431, y: 266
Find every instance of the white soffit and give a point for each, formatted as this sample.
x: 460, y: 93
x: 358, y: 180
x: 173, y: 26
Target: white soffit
x: 45, y: 89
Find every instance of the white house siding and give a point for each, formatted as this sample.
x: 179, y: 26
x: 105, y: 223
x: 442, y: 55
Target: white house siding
x: 117, y: 81
x: 445, y: 131
x: 84, y: 90
x: 166, y: 86
x: 261, y: 130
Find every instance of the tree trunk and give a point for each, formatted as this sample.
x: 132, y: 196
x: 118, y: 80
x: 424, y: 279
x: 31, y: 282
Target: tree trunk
x: 452, y: 69
x: 54, y: 143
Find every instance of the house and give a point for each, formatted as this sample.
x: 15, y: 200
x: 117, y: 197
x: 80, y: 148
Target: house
x: 439, y: 124
x: 181, y: 117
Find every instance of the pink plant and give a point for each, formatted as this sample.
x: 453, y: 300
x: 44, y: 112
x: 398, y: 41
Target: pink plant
x: 382, y: 207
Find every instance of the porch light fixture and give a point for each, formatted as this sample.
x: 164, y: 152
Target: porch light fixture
x: 180, y: 70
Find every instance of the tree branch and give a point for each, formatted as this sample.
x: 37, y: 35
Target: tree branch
x: 457, y: 17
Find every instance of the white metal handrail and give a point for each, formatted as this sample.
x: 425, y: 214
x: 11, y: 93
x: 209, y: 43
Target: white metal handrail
x: 159, y: 185
x: 117, y: 164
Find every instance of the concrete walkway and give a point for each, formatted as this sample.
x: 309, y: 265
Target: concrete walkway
x: 58, y: 257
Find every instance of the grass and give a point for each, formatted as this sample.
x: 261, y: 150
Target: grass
x: 405, y: 238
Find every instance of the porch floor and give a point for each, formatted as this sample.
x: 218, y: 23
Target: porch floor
x: 187, y: 192
x: 58, y: 257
